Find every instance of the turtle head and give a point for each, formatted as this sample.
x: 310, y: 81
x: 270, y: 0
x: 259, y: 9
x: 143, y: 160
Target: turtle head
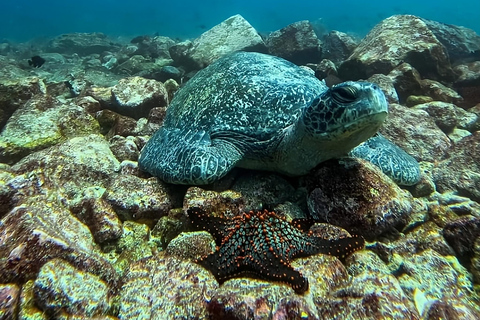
x: 346, y: 114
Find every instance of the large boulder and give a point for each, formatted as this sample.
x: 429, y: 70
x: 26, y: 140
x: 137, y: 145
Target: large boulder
x: 297, y: 43
x: 400, y: 38
x: 82, y: 44
x: 233, y: 34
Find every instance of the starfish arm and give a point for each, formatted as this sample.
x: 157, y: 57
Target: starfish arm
x: 200, y: 220
x: 341, y: 247
x: 225, y: 268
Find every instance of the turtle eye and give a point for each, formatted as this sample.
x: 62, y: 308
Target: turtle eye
x: 345, y: 94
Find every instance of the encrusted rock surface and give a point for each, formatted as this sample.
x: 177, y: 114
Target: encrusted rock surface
x: 296, y: 42
x: 81, y: 43
x: 357, y: 196
x: 233, y: 34
x: 400, y: 38
x: 15, y: 92
x: 416, y: 133
x: 59, y: 287
x: 41, y: 229
x: 460, y: 171
x: 338, y: 46
x: 42, y: 122
x: 153, y: 290
x: 136, y: 96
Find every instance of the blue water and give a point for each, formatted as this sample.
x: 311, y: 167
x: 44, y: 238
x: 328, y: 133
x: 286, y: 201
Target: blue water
x: 22, y: 20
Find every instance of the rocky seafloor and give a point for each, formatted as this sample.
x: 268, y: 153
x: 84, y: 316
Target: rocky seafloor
x: 85, y: 235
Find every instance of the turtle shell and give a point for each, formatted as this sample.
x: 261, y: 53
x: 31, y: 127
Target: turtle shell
x: 254, y: 94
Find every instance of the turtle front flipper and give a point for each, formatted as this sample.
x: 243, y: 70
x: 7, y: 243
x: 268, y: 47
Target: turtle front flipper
x: 393, y: 161
x: 190, y: 157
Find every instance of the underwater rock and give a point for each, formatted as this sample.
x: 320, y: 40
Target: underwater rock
x: 16, y: 91
x: 169, y: 72
x: 461, y: 234
x: 72, y: 166
x: 9, y: 300
x: 338, y: 46
x: 461, y: 43
x: 406, y: 80
x: 132, y: 65
x: 124, y: 148
x: 153, y: 48
x: 228, y: 202
x: 95, y: 212
x: 468, y: 83
x: 42, y: 228
x: 191, y: 245
x: 169, y: 227
x: 460, y: 171
x: 60, y: 288
x: 386, y: 84
x: 132, y: 246
x: 136, y: 96
x: 264, y: 190
x: 354, y: 194
x: 27, y: 308
x: 397, y: 39
x: 366, y: 291
x: 82, y: 44
x: 468, y: 74
x: 163, y: 287
x: 233, y: 34
x: 296, y: 42
x: 136, y: 198
x: 439, y: 278
x: 326, y: 69
x: 447, y: 116
x: 439, y: 92
x: 425, y: 236
x: 246, y: 298
x: 415, y: 132
x: 42, y: 122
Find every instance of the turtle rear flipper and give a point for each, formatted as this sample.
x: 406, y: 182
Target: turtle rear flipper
x: 190, y: 157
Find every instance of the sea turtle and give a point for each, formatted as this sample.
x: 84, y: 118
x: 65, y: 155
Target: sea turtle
x: 262, y: 112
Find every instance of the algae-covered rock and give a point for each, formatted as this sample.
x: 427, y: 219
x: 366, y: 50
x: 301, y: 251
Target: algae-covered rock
x: 338, y: 46
x: 60, y: 287
x: 162, y: 287
x: 397, y: 39
x: 264, y: 190
x: 354, y: 194
x: 40, y: 229
x: 233, y: 34
x: 9, y: 301
x: 296, y: 42
x: 191, y: 245
x: 28, y: 310
x: 460, y: 172
x: 42, y: 122
x: 440, y: 278
x: 78, y: 163
x: 136, y: 198
x: 136, y: 96
x: 229, y: 203
x: 15, y: 91
x: 93, y: 210
x: 416, y: 133
x: 81, y: 43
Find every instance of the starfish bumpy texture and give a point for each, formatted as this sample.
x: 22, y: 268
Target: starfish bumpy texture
x: 262, y: 245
